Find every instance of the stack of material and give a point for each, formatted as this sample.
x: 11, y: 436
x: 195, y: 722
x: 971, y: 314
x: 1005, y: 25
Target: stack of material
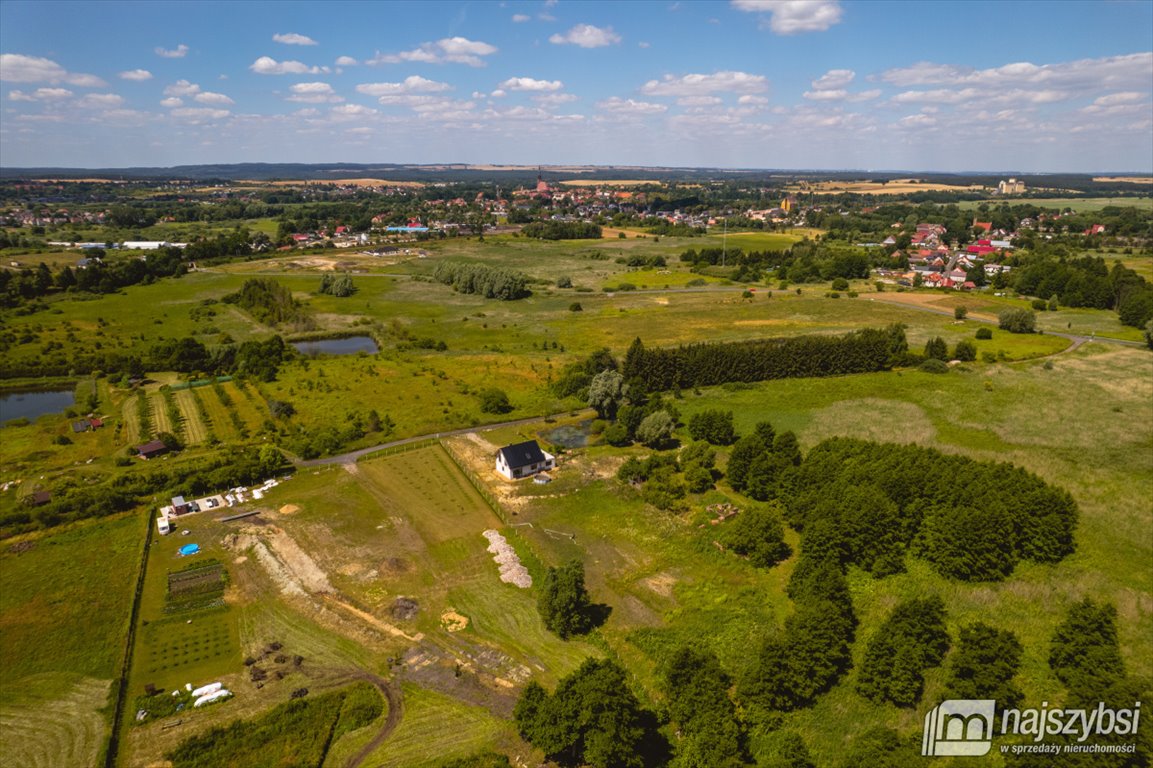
x: 511, y: 570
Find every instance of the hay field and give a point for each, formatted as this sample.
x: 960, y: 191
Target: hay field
x: 894, y: 187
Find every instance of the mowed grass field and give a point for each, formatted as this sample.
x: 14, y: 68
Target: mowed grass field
x: 64, y: 612
x: 1078, y: 204
x: 668, y: 585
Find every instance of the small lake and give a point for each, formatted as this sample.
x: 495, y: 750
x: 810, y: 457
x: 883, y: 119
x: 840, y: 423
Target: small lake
x: 34, y: 403
x: 349, y: 346
x: 569, y: 436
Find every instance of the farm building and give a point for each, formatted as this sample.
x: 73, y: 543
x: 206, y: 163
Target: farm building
x: 151, y: 449
x: 523, y: 460
x: 38, y: 499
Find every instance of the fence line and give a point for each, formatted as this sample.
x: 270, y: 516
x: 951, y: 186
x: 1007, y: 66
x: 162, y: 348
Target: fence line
x: 477, y: 483
x: 403, y: 448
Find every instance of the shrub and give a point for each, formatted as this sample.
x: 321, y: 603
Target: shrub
x: 984, y: 333
x: 933, y: 365
x: 936, y: 349
x: 840, y: 284
x: 564, y: 282
x: 494, y: 400
x: 965, y: 351
x: 575, y: 307
x: 960, y: 313
x: 1017, y: 321
x: 1040, y: 305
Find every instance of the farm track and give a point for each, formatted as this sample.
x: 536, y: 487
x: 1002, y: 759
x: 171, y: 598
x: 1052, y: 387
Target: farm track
x: 395, y: 701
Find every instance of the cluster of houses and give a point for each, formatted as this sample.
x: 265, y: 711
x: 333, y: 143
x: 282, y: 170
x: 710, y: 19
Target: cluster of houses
x: 934, y: 265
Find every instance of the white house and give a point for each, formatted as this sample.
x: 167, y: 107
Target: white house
x: 523, y: 460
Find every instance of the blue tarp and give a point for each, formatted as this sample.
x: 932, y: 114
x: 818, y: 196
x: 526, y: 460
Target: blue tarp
x: 189, y: 549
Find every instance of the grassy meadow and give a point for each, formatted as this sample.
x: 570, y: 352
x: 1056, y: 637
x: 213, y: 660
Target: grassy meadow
x: 668, y: 585
x: 65, y: 601
x: 380, y: 567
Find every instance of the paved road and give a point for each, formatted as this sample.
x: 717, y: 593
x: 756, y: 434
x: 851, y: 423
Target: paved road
x: 352, y: 456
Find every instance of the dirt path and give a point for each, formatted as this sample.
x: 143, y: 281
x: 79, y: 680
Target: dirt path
x: 395, y: 701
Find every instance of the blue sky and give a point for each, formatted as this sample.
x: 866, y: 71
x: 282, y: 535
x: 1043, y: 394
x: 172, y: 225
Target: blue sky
x: 825, y: 84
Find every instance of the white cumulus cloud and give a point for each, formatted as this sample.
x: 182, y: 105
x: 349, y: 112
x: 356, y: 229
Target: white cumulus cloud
x: 17, y: 68
x: 520, y: 18
x: 100, y: 100
x: 314, y: 93
x: 179, y: 52
x: 208, y: 97
x: 292, y: 38
x: 346, y: 61
x: 788, y: 17
x: 587, y: 36
x: 266, y: 65
x: 136, y: 74
x: 411, y: 84
x: 181, y: 88
x: 200, y: 114
x: 172, y: 101
x: 698, y: 85
x: 530, y: 84
x: 456, y: 50
x: 834, y: 79
x: 630, y: 107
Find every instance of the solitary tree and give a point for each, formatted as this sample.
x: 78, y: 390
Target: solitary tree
x: 564, y: 602
x: 607, y: 393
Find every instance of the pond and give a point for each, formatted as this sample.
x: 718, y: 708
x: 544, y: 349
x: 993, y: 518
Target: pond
x: 569, y: 436
x: 31, y: 404
x: 347, y: 346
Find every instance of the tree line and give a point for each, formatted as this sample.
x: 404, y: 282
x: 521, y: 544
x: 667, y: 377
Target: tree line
x: 74, y: 500
x: 98, y: 276
x: 706, y: 364
x: 561, y: 230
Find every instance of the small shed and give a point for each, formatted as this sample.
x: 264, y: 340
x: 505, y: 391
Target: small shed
x: 81, y: 425
x: 151, y: 449
x: 523, y: 460
x: 38, y: 499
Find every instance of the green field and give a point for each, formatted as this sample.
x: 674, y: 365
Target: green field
x: 64, y: 608
x: 1078, y: 204
x: 380, y: 566
x: 667, y: 586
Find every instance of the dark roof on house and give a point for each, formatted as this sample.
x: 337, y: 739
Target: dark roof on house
x: 154, y: 446
x: 522, y: 454
x: 39, y: 498
x: 81, y: 426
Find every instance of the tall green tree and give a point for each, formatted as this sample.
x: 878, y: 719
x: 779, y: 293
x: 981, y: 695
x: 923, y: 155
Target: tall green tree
x: 564, y: 603
x: 983, y: 664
